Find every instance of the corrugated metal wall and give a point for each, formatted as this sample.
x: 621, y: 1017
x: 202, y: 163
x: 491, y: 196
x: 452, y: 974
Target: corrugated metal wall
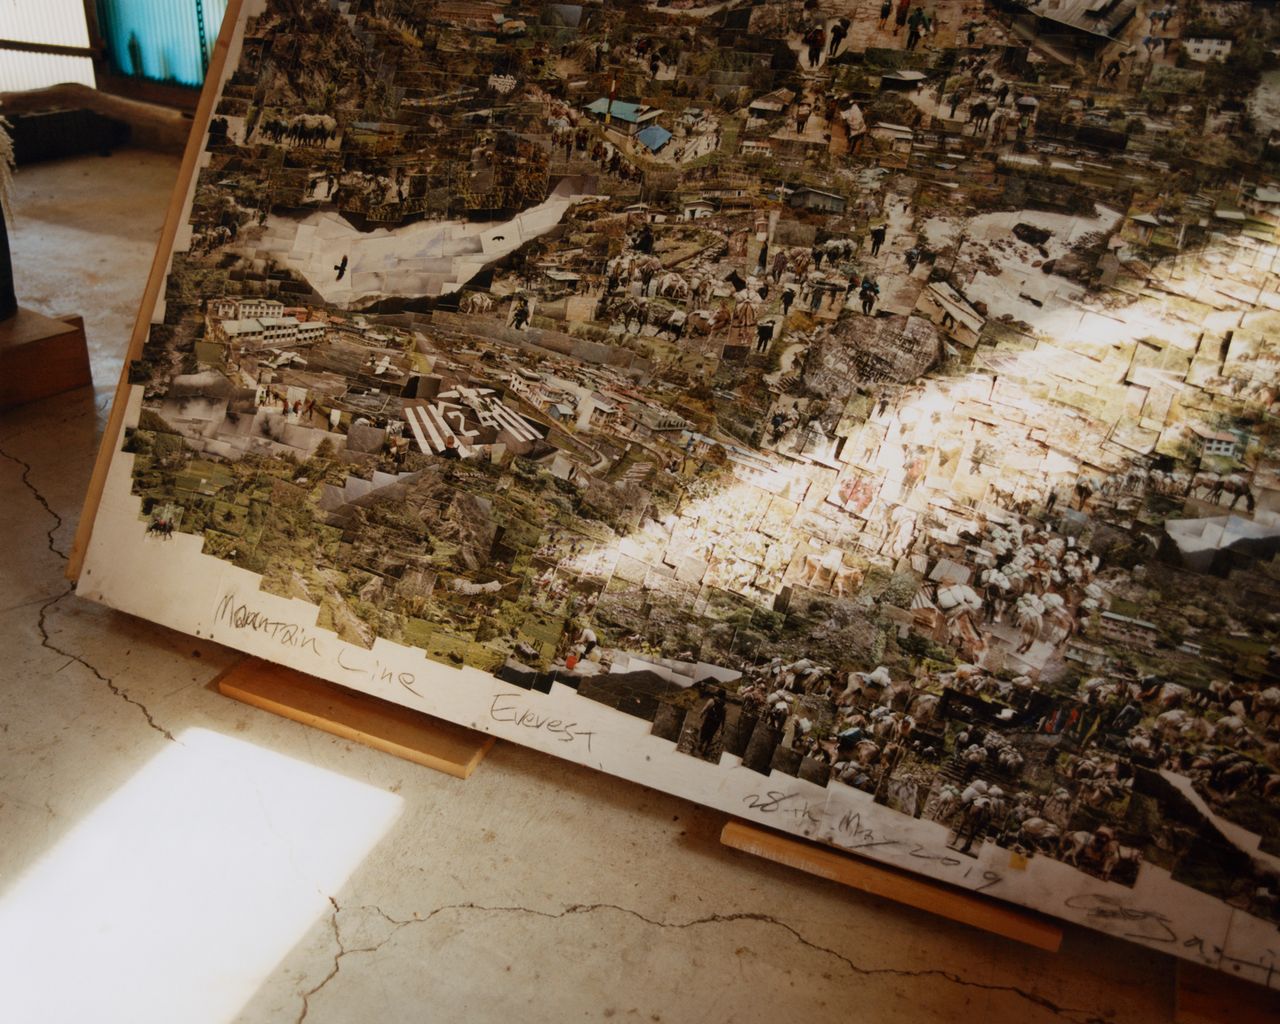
x: 160, y: 40
x: 60, y: 22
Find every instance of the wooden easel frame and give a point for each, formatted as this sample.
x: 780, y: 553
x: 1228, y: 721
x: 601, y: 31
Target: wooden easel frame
x: 155, y: 284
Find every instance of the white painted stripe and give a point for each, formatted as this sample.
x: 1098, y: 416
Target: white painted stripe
x: 430, y: 428
x: 412, y: 413
x: 529, y: 431
x: 435, y: 426
x: 503, y: 421
x: 516, y: 423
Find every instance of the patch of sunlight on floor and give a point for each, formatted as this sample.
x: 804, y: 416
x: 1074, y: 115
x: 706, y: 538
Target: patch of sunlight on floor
x: 175, y: 898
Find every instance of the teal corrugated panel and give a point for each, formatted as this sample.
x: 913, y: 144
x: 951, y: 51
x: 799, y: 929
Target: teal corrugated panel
x: 161, y: 40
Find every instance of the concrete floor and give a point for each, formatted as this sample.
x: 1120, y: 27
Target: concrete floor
x: 171, y: 855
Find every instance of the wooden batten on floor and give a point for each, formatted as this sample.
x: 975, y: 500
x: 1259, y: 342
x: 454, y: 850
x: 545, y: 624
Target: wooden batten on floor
x: 41, y: 356
x: 1206, y: 996
x: 894, y: 884
x: 376, y: 723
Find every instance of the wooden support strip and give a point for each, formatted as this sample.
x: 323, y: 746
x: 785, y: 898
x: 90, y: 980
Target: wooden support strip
x: 900, y: 886
x: 155, y: 282
x: 1206, y: 996
x: 53, y: 49
x: 376, y: 723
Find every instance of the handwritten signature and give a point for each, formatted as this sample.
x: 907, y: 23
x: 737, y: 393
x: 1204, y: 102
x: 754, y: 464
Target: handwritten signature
x: 1150, y: 925
x: 853, y: 834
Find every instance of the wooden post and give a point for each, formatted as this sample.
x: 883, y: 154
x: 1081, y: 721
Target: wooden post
x: 413, y: 735
x: 155, y: 282
x: 972, y: 909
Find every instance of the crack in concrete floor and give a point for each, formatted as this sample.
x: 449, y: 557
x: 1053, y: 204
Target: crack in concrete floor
x: 1076, y: 1014
x: 42, y: 625
x: 40, y: 499
x: 47, y: 643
